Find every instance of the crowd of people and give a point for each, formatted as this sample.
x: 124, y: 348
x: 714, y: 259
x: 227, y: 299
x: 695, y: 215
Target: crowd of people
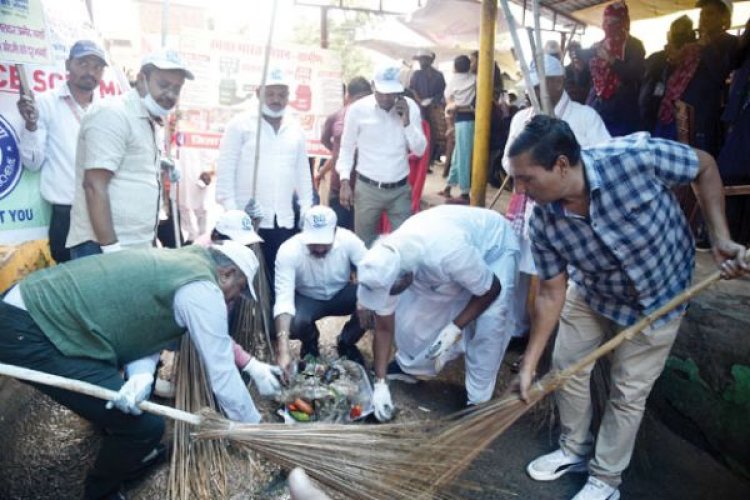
x: 593, y: 217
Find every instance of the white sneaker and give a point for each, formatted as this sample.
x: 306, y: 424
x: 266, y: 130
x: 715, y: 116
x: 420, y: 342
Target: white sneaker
x: 597, y: 490
x: 555, y: 464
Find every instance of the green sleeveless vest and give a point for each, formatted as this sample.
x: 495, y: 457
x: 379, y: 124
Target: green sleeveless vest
x: 114, y: 307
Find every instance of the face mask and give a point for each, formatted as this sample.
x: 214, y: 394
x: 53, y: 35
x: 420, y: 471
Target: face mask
x: 153, y: 107
x: 271, y: 113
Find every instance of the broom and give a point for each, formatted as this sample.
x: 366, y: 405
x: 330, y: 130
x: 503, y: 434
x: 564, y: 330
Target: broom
x: 391, y: 461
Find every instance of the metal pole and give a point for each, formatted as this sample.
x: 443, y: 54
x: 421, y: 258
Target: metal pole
x: 164, y: 22
x: 324, y: 27
x: 519, y: 51
x: 539, y: 56
x: 484, y: 106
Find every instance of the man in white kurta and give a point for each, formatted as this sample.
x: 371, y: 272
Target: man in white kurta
x: 463, y: 262
x: 589, y: 130
x: 283, y: 169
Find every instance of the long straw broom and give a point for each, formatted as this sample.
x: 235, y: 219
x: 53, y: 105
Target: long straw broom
x: 197, y: 469
x: 392, y: 461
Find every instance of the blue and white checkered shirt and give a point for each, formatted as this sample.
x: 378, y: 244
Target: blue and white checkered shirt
x: 634, y: 252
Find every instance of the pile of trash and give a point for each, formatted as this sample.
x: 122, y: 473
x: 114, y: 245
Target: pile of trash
x: 338, y: 391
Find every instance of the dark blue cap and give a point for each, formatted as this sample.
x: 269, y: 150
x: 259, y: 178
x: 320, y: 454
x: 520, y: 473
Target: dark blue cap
x: 83, y: 48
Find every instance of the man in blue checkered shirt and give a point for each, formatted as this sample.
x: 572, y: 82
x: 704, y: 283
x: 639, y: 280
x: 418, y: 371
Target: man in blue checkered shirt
x: 611, y: 244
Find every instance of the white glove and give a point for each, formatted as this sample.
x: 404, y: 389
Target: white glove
x: 254, y: 209
x: 381, y: 400
x: 265, y: 376
x: 449, y: 335
x: 133, y: 392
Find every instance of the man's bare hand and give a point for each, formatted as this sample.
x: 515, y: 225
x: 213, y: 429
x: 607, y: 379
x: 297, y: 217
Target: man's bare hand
x: 28, y: 111
x: 402, y: 109
x: 521, y: 384
x: 366, y: 318
x: 345, y: 194
x: 205, y: 177
x: 730, y: 257
x: 284, y: 361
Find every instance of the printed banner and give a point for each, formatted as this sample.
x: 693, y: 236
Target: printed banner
x: 24, y: 215
x: 22, y: 28
x: 228, y: 71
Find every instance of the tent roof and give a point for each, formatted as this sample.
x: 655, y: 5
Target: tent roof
x: 590, y: 11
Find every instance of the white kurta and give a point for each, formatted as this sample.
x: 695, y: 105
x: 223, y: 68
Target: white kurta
x: 463, y: 249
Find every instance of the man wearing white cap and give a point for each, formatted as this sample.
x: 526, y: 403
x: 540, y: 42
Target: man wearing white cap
x: 313, y: 281
x: 47, y: 142
x: 94, y: 317
x: 441, y: 285
x: 118, y: 159
x: 283, y: 169
x: 383, y: 129
x: 589, y: 130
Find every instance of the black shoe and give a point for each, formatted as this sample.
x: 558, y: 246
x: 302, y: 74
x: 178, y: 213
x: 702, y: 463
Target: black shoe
x: 116, y: 495
x: 394, y: 372
x: 309, y: 349
x: 156, y: 457
x: 350, y: 352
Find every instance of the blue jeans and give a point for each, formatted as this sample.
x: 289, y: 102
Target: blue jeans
x: 85, y: 249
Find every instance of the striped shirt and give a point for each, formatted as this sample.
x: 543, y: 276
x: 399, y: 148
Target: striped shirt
x: 634, y: 252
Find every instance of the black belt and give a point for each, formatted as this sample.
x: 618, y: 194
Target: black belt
x: 382, y: 185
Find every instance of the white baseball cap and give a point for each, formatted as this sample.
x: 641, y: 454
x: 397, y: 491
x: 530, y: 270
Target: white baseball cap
x: 376, y: 274
x: 276, y: 76
x: 319, y: 226
x: 552, y: 67
x: 167, y: 59
x: 238, y: 226
x: 386, y: 80
x: 243, y: 257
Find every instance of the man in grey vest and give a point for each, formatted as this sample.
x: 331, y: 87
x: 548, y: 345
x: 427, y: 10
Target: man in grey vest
x: 90, y: 318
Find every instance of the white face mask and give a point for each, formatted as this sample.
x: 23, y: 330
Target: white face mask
x: 153, y: 107
x: 271, y: 113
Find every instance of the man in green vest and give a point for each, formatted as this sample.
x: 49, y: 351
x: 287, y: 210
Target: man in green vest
x: 90, y: 318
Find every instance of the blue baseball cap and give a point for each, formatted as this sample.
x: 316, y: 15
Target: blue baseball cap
x: 83, y: 48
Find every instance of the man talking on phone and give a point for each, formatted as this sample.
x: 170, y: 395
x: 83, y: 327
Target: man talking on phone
x: 383, y: 129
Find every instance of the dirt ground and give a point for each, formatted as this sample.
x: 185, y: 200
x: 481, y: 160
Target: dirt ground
x: 46, y: 450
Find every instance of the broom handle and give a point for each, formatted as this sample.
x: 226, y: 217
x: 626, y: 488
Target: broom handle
x: 94, y: 391
x: 644, y: 322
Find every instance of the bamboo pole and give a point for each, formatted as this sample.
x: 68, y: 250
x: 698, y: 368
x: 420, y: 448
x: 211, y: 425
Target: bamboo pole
x: 92, y: 390
x: 499, y: 191
x: 262, y: 95
x: 519, y: 53
x: 484, y: 105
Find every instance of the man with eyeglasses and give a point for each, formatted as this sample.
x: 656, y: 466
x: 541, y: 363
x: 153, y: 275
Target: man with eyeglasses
x: 118, y: 162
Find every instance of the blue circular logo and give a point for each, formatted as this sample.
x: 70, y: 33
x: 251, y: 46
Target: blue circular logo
x: 10, y: 160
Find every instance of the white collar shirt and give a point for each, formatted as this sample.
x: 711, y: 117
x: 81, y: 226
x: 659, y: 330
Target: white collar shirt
x: 583, y: 120
x: 318, y: 278
x: 283, y: 169
x: 381, y: 141
x: 51, y: 148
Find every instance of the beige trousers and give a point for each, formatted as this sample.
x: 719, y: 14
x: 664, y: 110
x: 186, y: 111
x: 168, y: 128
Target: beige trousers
x: 635, y: 366
x: 370, y: 201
